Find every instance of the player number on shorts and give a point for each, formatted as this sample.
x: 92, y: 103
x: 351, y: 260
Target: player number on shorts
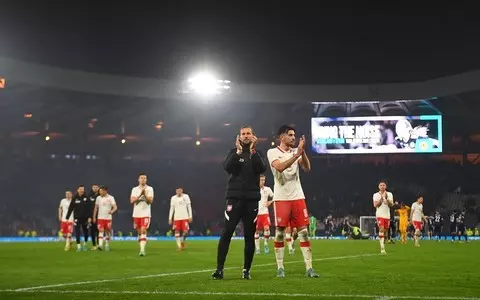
x: 305, y: 213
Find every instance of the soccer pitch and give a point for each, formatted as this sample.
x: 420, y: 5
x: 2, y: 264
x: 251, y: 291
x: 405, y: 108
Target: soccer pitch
x: 348, y: 270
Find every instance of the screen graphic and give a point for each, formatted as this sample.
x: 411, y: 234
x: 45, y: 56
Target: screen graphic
x: 377, y: 134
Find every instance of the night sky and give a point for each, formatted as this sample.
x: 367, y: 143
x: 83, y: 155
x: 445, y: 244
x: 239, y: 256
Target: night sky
x: 267, y: 43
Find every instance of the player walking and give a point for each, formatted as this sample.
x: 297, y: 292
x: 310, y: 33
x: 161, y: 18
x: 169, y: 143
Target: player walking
x: 105, y: 207
x: 382, y: 201
x: 312, y: 228
x: 181, y: 214
x: 142, y: 198
x: 66, y: 225
x: 263, y: 216
x: 417, y: 217
x: 453, y: 225
x: 289, y: 206
x: 461, y: 228
x: 438, y: 225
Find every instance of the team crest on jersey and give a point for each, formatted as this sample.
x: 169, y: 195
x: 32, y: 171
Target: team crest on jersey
x: 229, y: 208
x: 241, y: 160
x: 279, y: 220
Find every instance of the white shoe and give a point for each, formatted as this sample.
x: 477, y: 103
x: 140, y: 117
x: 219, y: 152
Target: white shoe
x: 382, y: 252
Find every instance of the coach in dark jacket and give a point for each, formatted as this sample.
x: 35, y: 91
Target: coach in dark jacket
x: 82, y: 209
x: 244, y: 164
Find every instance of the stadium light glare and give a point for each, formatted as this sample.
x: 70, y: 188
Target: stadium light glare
x: 47, y: 138
x: 206, y: 84
x: 197, y: 143
x: 124, y: 141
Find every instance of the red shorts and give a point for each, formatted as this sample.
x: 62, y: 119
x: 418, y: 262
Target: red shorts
x: 143, y: 222
x: 181, y: 225
x: 418, y: 225
x: 292, y: 211
x: 263, y: 221
x: 103, y: 225
x: 66, y: 227
x: 383, y: 222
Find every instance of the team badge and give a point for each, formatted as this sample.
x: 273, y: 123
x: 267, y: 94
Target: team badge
x: 229, y: 208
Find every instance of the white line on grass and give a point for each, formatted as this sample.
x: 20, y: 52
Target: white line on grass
x: 199, y: 293
x: 176, y: 273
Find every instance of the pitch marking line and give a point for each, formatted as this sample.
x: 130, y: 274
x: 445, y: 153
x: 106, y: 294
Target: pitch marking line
x: 198, y: 293
x: 178, y: 273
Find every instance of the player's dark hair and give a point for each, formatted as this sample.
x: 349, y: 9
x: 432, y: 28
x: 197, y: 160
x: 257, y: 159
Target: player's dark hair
x: 95, y: 184
x: 80, y: 186
x: 142, y: 174
x: 382, y: 181
x: 284, y: 129
x: 261, y: 175
x: 104, y: 187
x: 419, y: 195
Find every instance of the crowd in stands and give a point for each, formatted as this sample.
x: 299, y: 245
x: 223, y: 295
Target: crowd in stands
x: 34, y: 188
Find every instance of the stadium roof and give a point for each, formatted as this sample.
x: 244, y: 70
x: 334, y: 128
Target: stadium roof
x: 264, y: 44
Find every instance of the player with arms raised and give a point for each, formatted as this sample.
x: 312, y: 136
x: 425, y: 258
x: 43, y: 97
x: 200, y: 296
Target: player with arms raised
x: 181, y: 213
x: 289, y: 200
x: 105, y: 207
x: 417, y: 218
x: 382, y: 201
x: 66, y: 225
x: 263, y: 216
x: 142, y: 198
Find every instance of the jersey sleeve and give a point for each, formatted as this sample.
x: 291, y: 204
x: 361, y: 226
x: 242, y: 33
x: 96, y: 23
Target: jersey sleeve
x: 112, y: 201
x: 60, y: 205
x: 187, y: 199
x: 132, y: 194
x: 390, y: 196
x: 150, y: 192
x: 272, y: 156
x: 376, y: 197
x: 97, y: 200
x: 270, y: 193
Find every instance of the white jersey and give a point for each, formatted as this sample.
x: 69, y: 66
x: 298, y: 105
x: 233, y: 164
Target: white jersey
x: 417, y: 212
x: 383, y: 211
x: 64, y: 204
x: 105, y: 205
x: 180, y: 208
x: 142, y: 209
x: 287, y: 184
x: 266, y: 193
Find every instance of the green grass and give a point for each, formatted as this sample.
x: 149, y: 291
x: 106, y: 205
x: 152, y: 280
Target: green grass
x: 346, y: 267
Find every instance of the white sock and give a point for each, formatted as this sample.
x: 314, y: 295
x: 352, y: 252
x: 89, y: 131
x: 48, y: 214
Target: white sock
x: 288, y: 238
x: 100, y: 239
x: 257, y: 241
x: 68, y: 240
x: 107, y: 240
x: 279, y: 253
x: 79, y: 246
x: 266, y: 236
x: 305, y: 247
x: 178, y: 239
x: 143, y: 242
x: 382, y: 242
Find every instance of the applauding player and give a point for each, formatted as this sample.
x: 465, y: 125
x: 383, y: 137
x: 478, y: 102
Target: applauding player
x: 382, y: 201
x: 66, y: 225
x: 105, y: 206
x: 417, y: 218
x: 181, y: 212
x: 141, y: 198
x: 285, y: 162
x: 263, y: 216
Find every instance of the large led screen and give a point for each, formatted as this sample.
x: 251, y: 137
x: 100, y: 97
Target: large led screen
x: 377, y: 134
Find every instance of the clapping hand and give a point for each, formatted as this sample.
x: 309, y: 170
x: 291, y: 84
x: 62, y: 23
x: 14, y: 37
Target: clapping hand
x: 238, y: 145
x: 253, y: 143
x: 301, y: 145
